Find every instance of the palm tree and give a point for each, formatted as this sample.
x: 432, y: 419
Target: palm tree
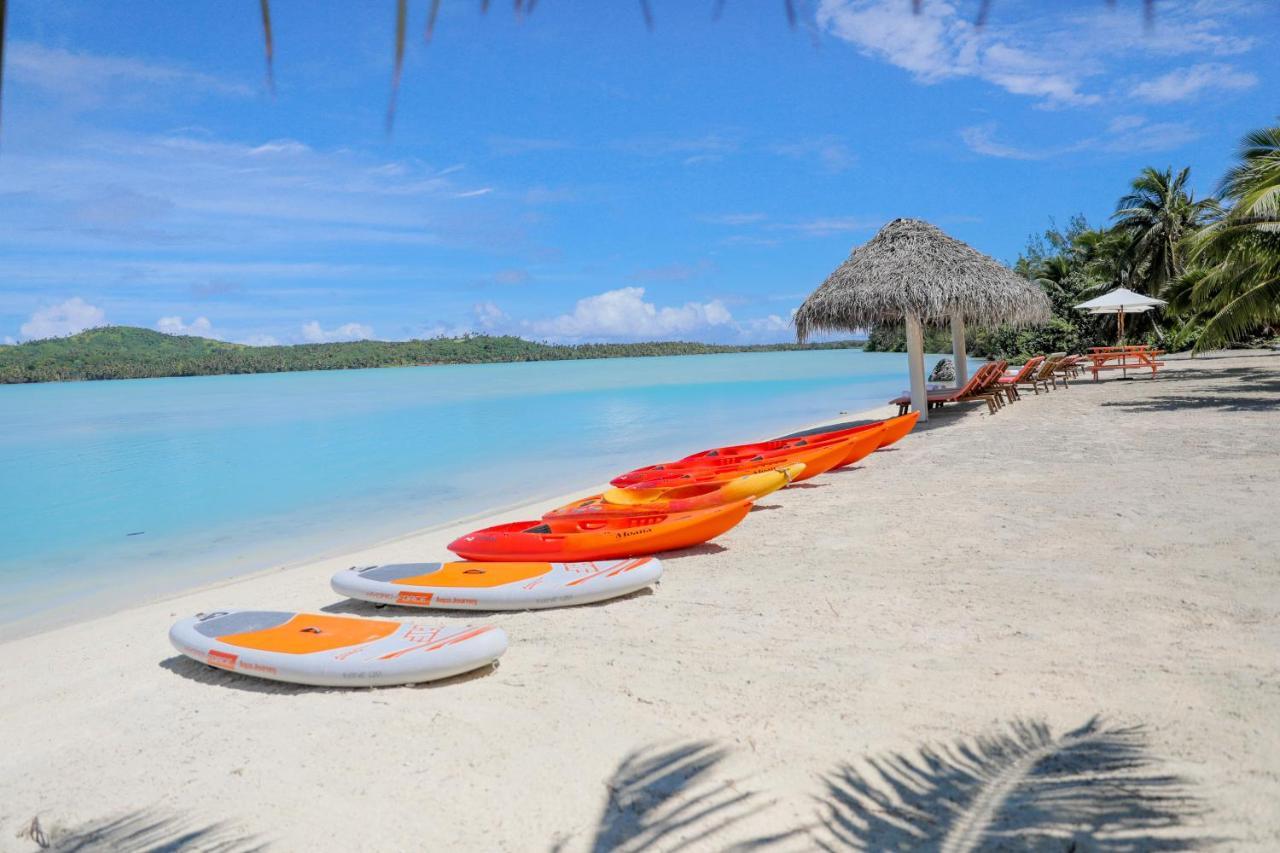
x: 1239, y: 285
x: 1156, y: 216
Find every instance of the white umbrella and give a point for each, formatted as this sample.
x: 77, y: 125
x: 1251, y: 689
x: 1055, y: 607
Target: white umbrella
x: 1120, y: 301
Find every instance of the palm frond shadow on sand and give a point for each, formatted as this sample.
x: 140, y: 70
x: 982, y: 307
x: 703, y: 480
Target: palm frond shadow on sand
x: 1093, y: 788
x: 144, y: 830
x: 665, y: 799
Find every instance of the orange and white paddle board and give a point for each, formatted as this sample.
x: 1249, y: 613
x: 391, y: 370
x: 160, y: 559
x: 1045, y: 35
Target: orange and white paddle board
x: 497, y: 586
x: 334, y: 651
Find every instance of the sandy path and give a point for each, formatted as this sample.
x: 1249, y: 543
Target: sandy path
x: 1108, y: 551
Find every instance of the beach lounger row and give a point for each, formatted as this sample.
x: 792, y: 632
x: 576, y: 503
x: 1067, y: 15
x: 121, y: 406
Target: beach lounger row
x: 995, y: 383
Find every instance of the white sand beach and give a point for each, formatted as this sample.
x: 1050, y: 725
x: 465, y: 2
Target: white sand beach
x: 980, y: 592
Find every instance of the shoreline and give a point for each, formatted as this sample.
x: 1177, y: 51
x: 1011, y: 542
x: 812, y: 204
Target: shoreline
x: 86, y: 612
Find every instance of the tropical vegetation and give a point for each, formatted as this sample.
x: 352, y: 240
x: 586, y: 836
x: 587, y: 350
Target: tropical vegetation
x: 125, y: 352
x: 1215, y: 260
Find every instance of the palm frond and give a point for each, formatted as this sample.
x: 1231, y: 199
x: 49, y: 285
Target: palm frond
x: 1024, y: 788
x: 267, y: 43
x: 1257, y: 306
x: 434, y: 11
x: 402, y: 15
x: 4, y: 14
x: 647, y: 13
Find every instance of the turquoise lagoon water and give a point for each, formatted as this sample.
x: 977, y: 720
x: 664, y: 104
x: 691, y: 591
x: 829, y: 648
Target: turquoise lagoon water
x: 151, y: 485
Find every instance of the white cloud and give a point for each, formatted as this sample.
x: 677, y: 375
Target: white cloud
x: 707, y: 148
x: 980, y: 139
x: 733, y: 218
x: 770, y: 327
x: 97, y: 79
x: 828, y: 152
x: 1123, y: 135
x: 1049, y: 52
x: 126, y: 190
x: 515, y: 275
x: 940, y: 43
x: 1128, y: 134
x: 490, y: 317
x: 200, y: 327
x: 1183, y: 84
x: 1190, y: 27
x: 313, y: 333
x: 9, y: 341
x: 623, y: 314
x: 825, y: 226
x: 65, y: 318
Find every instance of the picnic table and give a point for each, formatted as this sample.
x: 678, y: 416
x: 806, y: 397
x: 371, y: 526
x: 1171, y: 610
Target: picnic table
x: 1125, y: 358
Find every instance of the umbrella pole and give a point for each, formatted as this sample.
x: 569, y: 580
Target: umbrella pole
x: 915, y: 362
x: 1124, y: 361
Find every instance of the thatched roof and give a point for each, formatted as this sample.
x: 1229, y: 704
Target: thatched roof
x: 911, y: 267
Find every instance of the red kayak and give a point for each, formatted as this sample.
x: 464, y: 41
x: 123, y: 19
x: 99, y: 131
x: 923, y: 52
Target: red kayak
x: 825, y: 434
x: 568, y: 540
x: 818, y: 457
x: 894, y: 429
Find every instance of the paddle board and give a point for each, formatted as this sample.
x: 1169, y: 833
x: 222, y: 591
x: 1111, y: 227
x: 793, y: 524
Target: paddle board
x: 496, y: 586
x: 334, y: 651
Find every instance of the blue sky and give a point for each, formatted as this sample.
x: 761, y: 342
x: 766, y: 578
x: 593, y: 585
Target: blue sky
x: 571, y: 176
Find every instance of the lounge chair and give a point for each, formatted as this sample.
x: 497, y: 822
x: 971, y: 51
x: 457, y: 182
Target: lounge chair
x: 1043, y: 375
x: 975, y: 389
x: 1014, y: 377
x: 991, y: 385
x: 1069, y: 367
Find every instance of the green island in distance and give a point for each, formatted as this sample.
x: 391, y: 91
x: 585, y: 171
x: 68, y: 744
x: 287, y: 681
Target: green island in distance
x: 127, y: 352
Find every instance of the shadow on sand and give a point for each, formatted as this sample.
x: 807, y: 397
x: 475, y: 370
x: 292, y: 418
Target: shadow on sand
x: 695, y: 551
x: 1253, y: 390
x: 665, y: 799
x: 1093, y: 788
x: 143, y: 830
x: 204, y: 674
x: 1090, y: 789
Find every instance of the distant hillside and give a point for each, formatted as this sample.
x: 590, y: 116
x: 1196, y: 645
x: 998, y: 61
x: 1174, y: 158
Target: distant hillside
x: 125, y: 352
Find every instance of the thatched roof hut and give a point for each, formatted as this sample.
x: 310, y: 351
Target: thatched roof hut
x: 912, y: 273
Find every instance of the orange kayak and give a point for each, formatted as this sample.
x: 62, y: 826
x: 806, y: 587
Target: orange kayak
x: 894, y: 429
x: 678, y: 498
x: 784, y: 443
x: 817, y: 458
x: 862, y: 443
x: 565, y: 540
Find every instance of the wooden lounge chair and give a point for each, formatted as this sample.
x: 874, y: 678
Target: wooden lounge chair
x: 975, y: 389
x: 1069, y: 367
x: 1014, y: 377
x: 991, y: 386
x: 1043, y: 375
